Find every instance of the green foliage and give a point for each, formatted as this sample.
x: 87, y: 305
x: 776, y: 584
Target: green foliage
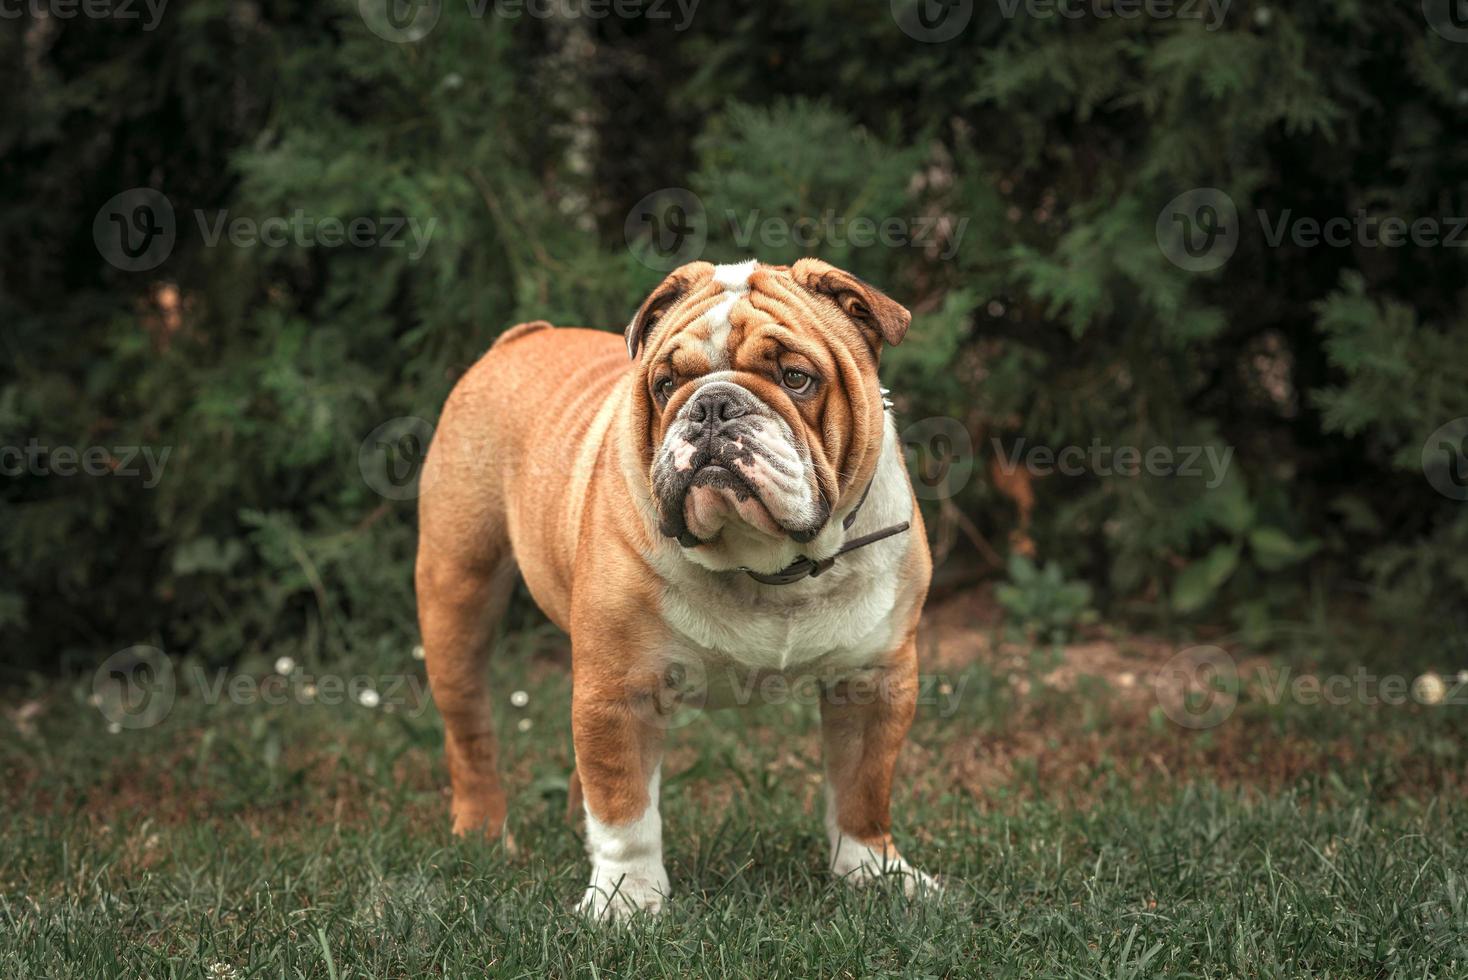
x: 1247, y: 551
x: 1042, y: 602
x: 1036, y: 151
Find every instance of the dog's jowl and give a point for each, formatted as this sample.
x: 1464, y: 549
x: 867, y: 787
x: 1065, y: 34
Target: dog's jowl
x: 719, y: 500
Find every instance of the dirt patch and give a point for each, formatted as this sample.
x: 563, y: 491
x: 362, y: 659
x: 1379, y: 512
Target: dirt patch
x: 1071, y: 724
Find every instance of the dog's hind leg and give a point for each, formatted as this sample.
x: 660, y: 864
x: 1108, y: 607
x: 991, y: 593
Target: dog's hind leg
x: 458, y: 608
x: 464, y: 576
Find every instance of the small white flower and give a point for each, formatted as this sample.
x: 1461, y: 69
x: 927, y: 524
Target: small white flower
x: 1463, y: 677
x: 114, y: 727
x: 519, y: 699
x: 284, y: 666
x: 945, y: 689
x: 309, y: 691
x: 369, y: 698
x: 1429, y: 689
x: 1263, y: 16
x: 523, y: 724
x: 94, y: 699
x: 418, y: 653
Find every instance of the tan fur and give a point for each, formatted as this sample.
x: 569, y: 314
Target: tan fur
x: 540, y: 464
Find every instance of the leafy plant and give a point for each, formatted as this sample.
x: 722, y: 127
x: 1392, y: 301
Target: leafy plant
x: 1042, y: 601
x: 1250, y: 540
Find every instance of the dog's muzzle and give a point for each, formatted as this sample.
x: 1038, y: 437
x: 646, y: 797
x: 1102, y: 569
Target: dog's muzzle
x: 729, y: 441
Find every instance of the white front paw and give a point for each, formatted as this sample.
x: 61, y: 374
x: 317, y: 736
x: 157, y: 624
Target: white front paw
x: 618, y: 894
x: 857, y: 864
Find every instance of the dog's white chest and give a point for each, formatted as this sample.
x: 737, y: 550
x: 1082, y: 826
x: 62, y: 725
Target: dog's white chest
x: 848, y: 623
x: 844, y: 620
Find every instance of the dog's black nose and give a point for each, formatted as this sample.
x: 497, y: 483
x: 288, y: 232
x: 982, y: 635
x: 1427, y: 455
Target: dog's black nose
x: 719, y: 405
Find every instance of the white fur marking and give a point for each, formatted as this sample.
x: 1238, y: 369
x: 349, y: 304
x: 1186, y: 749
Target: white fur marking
x: 734, y: 280
x: 719, y: 327
x: 627, y: 873
x: 683, y: 451
x: 855, y: 863
x: 735, y: 275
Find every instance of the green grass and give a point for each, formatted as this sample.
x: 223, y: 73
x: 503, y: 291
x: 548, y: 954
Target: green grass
x: 1078, y: 836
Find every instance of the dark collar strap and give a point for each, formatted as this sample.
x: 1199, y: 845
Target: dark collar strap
x: 804, y: 567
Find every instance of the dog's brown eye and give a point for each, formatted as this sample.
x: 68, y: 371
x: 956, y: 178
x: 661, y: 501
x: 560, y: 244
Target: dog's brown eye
x: 664, y: 388
x: 797, y: 381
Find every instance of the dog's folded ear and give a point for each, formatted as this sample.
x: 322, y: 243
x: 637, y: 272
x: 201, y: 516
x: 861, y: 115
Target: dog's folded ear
x: 879, y: 316
x: 680, y: 282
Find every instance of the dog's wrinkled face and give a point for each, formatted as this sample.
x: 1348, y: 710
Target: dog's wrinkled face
x: 760, y: 401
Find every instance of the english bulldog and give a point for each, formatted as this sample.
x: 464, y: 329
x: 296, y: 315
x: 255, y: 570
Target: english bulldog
x: 714, y: 500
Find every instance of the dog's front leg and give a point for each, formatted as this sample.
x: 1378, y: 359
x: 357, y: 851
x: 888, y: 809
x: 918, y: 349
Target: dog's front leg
x: 618, y: 760
x: 863, y: 723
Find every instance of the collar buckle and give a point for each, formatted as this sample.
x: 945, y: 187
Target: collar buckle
x: 800, y: 568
